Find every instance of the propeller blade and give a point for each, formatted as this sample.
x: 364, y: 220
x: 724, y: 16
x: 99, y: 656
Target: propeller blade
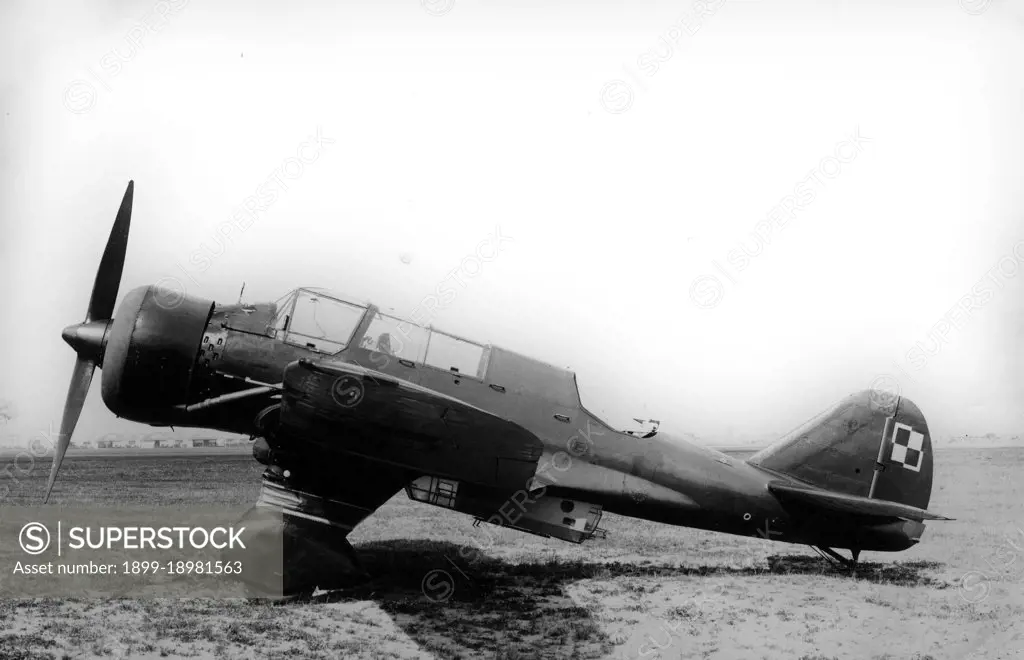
x: 81, y: 378
x: 108, y: 276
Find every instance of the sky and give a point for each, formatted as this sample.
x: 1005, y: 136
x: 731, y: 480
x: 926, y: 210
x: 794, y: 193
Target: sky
x: 722, y: 215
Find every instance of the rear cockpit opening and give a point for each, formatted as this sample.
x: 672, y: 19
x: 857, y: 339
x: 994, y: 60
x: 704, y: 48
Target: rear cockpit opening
x: 648, y: 428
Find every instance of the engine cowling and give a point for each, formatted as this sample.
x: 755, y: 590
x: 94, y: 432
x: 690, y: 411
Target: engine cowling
x: 150, y: 353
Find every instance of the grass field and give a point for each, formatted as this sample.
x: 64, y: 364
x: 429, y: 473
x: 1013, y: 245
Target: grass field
x: 646, y: 590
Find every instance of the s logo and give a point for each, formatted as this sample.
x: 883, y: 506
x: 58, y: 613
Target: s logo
x: 347, y: 391
x: 34, y: 538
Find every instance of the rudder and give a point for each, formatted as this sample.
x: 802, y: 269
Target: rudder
x: 904, y: 471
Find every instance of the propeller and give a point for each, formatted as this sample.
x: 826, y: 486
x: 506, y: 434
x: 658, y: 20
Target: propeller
x: 89, y: 337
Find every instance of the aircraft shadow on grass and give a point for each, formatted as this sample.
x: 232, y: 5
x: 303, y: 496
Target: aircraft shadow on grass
x: 448, y: 596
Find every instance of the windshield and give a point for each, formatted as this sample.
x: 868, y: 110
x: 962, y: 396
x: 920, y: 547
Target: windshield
x: 316, y: 320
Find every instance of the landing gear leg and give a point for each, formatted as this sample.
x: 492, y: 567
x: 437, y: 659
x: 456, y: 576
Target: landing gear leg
x: 836, y: 558
x: 288, y: 557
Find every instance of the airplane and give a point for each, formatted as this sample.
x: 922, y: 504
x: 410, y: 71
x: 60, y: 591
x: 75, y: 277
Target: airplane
x: 348, y: 406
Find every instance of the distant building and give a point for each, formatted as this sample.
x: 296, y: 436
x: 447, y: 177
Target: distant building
x: 111, y: 441
x: 157, y: 440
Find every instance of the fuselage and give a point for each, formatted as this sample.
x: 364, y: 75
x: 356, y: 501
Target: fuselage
x: 579, y: 456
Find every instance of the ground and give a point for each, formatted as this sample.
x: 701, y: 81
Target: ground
x: 443, y: 588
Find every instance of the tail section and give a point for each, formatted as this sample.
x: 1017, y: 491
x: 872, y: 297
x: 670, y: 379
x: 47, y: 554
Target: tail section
x: 870, y: 445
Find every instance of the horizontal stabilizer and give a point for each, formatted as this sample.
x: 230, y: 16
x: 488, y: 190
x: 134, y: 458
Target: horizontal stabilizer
x: 843, y: 503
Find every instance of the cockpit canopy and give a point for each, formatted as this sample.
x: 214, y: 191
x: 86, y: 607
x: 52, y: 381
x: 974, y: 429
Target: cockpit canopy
x: 327, y: 323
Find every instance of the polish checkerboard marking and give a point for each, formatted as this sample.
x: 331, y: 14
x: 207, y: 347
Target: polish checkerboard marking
x: 907, y: 447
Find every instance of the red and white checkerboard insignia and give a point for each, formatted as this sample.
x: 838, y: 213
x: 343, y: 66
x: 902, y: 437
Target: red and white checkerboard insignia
x: 907, y: 447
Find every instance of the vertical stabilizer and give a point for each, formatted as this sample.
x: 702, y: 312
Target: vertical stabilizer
x: 869, y: 444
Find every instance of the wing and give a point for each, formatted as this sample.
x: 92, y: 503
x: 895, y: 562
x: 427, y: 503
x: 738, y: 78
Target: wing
x: 842, y: 503
x: 349, y: 409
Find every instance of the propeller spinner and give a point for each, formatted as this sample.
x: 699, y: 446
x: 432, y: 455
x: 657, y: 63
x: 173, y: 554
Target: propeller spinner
x: 90, y: 337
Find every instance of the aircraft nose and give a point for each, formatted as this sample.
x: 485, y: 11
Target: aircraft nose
x: 88, y: 339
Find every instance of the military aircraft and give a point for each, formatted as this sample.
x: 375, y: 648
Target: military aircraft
x: 350, y: 405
